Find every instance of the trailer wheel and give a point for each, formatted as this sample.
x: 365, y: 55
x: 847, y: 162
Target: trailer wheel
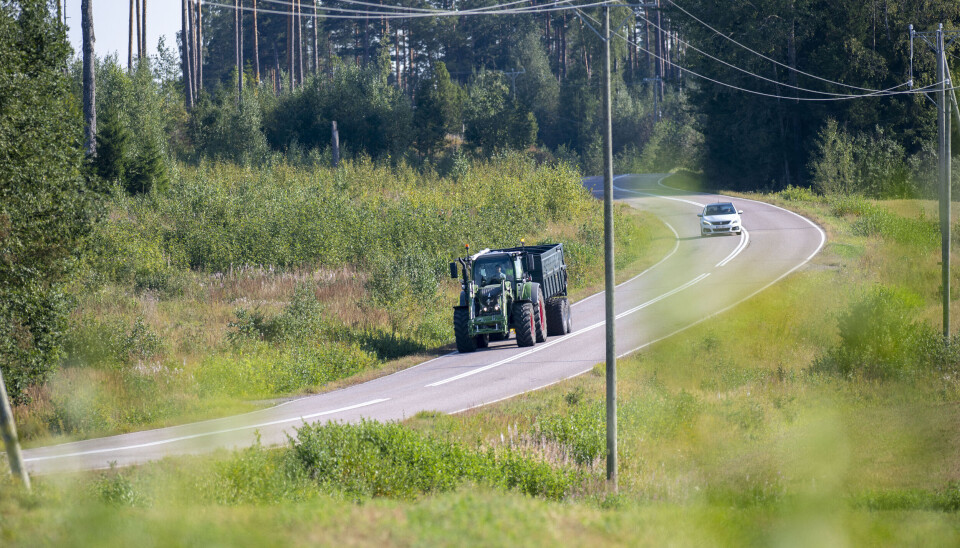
x: 540, y: 320
x: 461, y: 330
x: 556, y: 317
x: 523, y: 314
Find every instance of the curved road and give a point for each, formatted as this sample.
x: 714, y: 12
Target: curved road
x: 698, y: 279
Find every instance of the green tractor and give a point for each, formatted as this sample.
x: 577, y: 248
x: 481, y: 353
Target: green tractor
x: 520, y: 288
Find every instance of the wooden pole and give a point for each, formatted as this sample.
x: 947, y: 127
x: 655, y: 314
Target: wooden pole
x: 9, y: 431
x: 335, y: 144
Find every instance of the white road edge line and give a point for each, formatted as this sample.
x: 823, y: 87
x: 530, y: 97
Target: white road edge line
x: 744, y: 240
x: 504, y: 361
x: 204, y: 434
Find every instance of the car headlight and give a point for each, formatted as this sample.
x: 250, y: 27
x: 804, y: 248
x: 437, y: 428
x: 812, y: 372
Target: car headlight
x: 707, y: 223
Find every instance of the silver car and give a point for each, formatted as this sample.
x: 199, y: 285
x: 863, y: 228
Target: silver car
x: 720, y: 218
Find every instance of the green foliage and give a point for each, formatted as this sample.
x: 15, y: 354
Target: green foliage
x: 869, y: 164
x: 258, y: 371
x: 223, y: 128
x: 372, y: 459
x: 880, y: 336
x: 582, y: 430
x: 115, y: 488
x: 494, y: 121
x: 47, y: 206
x: 132, y: 104
x: 113, y: 142
x: 372, y: 116
x: 439, y: 109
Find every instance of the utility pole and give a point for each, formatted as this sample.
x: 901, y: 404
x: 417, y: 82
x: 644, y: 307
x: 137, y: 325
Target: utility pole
x: 938, y: 41
x: 609, y: 283
x: 943, y: 128
x: 10, y: 441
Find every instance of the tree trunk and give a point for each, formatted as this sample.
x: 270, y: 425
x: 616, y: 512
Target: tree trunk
x: 89, y: 78
x: 143, y: 47
x: 290, y: 58
x: 238, y: 48
x: 186, y: 65
x: 130, y: 40
x: 300, y: 40
x: 256, y: 46
x: 194, y: 48
x: 198, y: 80
x: 316, y: 41
x: 277, y: 84
x: 139, y: 31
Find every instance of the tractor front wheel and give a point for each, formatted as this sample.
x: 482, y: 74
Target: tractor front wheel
x: 524, y: 324
x: 461, y: 330
x: 540, y: 321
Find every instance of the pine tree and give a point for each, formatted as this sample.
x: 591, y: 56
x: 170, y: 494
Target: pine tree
x: 113, y: 147
x: 146, y: 171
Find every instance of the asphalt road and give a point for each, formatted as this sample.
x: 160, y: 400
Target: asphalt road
x: 697, y: 281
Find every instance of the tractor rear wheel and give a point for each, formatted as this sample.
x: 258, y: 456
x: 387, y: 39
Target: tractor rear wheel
x: 523, y: 318
x: 540, y: 320
x: 497, y: 337
x: 483, y: 341
x: 461, y: 330
x: 558, y: 315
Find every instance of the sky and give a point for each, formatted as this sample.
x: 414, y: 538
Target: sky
x: 111, y: 22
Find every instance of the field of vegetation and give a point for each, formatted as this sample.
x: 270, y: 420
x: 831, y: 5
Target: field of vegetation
x: 233, y: 287
x: 826, y: 414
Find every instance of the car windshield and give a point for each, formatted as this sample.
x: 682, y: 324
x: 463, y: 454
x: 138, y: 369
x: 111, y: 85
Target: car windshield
x: 719, y: 209
x: 487, y: 270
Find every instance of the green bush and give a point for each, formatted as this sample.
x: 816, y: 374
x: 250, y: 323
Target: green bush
x: 582, y: 430
x: 880, y: 336
x: 372, y: 459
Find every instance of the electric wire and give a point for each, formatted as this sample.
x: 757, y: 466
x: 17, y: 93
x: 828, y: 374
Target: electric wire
x: 745, y: 71
x: 814, y: 76
x: 363, y: 15
x: 876, y: 93
x: 401, y: 8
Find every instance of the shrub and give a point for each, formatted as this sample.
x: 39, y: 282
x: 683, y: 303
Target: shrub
x: 372, y: 459
x: 879, y: 336
x: 582, y: 431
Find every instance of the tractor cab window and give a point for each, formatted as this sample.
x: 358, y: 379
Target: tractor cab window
x: 491, y: 270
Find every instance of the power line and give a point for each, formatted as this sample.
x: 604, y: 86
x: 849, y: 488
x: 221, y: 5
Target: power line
x: 407, y: 9
x: 745, y: 71
x: 363, y: 15
x: 878, y: 93
x: 814, y: 76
